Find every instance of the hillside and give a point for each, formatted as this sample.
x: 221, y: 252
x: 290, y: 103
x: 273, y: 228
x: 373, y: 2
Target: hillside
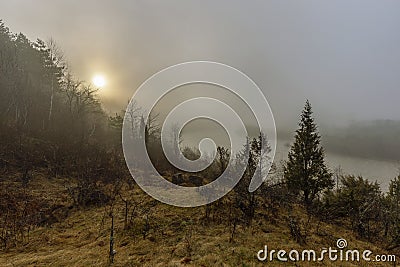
x: 174, y: 237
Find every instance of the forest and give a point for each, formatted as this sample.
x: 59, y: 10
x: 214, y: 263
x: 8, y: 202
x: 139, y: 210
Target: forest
x: 63, y: 175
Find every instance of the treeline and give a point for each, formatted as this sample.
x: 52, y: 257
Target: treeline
x: 48, y: 118
x: 377, y: 139
x: 50, y: 122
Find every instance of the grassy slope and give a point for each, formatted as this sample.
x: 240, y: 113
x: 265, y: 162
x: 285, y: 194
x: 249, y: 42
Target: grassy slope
x: 83, y: 240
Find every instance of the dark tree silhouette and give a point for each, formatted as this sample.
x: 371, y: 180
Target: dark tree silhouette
x: 305, y: 171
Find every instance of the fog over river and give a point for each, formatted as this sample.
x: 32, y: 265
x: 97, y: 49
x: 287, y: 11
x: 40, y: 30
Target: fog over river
x: 381, y: 171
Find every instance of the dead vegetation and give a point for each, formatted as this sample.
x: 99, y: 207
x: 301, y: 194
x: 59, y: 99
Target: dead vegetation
x: 148, y: 233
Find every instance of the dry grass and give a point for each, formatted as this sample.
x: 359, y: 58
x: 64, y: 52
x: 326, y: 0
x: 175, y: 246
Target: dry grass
x: 82, y: 239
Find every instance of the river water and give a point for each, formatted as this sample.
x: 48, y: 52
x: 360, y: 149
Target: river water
x: 381, y: 171
x: 374, y: 170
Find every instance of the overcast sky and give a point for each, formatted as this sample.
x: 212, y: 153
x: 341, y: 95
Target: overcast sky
x: 342, y: 55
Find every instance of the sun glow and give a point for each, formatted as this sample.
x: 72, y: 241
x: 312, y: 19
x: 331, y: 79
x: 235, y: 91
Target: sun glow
x: 99, y: 81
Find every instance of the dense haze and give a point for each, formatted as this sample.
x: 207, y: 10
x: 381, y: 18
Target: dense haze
x: 342, y: 55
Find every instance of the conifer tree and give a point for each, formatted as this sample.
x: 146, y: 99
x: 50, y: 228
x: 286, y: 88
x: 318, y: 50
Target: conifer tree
x: 305, y: 170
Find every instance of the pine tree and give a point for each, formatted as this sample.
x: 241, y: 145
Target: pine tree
x: 305, y: 170
x: 393, y: 225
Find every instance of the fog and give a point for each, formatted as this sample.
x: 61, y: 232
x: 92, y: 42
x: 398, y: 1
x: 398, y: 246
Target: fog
x: 341, y: 55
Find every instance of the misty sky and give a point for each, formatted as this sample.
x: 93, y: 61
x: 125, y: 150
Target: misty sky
x: 342, y: 55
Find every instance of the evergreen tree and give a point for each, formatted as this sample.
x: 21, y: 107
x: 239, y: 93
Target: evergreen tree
x: 305, y: 170
x: 393, y: 224
x: 394, y: 191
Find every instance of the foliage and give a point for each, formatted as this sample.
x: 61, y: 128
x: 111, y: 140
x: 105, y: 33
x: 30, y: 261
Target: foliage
x: 360, y: 201
x: 305, y: 171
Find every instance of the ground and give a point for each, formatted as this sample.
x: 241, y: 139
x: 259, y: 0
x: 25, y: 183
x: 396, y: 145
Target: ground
x: 177, y: 237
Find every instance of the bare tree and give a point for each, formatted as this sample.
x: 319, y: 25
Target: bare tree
x: 57, y: 60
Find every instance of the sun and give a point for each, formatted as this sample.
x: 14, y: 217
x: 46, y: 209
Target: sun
x: 99, y: 81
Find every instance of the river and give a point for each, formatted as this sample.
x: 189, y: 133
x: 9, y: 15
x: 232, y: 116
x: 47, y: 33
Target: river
x: 373, y: 169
